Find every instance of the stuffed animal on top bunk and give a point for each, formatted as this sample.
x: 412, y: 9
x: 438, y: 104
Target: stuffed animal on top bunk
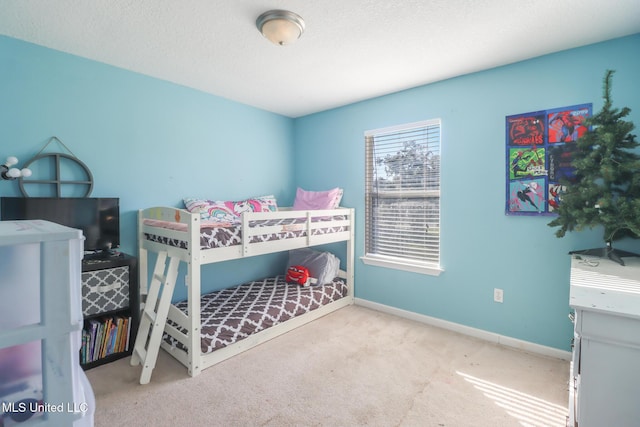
x: 299, y: 275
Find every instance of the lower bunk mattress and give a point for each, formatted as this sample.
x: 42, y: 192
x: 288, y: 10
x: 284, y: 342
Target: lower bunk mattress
x: 230, y: 315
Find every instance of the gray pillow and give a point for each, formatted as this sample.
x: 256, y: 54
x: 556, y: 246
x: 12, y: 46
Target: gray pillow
x: 322, y: 266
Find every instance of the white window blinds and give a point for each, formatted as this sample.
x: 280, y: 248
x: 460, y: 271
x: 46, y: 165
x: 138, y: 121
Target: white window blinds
x: 403, y: 193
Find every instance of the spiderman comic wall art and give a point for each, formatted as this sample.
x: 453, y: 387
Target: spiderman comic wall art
x: 539, y: 148
x: 567, y: 125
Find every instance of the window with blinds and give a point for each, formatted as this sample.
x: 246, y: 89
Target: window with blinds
x: 403, y: 196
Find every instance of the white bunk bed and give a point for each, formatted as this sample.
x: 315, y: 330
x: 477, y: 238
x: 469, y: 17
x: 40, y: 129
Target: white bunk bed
x: 177, y: 235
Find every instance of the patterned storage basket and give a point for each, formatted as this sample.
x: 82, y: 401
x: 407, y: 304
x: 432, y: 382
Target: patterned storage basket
x: 105, y: 290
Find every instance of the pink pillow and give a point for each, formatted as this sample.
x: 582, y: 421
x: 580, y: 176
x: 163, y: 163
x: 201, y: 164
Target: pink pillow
x: 316, y: 200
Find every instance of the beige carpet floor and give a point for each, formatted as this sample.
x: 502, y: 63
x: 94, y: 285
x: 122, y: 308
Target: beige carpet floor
x: 354, y: 367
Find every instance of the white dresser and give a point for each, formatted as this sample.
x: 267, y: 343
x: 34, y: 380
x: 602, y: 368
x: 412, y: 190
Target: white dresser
x: 605, y: 371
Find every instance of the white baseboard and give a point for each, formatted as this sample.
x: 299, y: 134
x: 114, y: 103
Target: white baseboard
x: 467, y: 330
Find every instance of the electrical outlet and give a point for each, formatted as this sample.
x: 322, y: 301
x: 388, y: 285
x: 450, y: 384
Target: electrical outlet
x: 498, y: 295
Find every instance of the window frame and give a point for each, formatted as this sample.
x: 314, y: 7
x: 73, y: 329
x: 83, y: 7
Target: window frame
x: 398, y: 262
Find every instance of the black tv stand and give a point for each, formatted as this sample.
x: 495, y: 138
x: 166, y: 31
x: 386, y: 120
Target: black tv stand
x: 110, y: 296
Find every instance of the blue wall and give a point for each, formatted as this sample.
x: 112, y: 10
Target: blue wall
x: 151, y: 142
x: 145, y: 140
x: 482, y: 248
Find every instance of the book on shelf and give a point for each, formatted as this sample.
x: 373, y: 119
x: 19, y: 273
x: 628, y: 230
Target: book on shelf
x: 85, y: 345
x: 92, y: 332
x: 126, y: 348
x: 118, y: 335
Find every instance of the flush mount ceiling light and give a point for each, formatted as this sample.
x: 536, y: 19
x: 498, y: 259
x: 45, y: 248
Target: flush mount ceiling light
x: 281, y: 27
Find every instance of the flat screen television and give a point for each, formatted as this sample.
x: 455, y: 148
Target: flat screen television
x: 97, y: 217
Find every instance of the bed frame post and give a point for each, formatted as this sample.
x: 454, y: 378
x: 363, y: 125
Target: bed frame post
x: 192, y: 280
x: 351, y: 255
x: 143, y: 264
x: 244, y: 218
x: 308, y: 228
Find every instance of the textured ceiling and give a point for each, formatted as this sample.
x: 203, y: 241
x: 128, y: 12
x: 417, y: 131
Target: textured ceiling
x: 351, y: 50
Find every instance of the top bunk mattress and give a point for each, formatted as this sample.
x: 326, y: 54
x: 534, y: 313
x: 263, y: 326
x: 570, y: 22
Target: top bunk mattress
x: 219, y: 235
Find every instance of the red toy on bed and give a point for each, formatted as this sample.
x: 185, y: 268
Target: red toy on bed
x: 299, y: 275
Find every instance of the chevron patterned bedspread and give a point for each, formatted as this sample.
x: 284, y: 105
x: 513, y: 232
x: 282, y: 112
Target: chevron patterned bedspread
x: 230, y: 315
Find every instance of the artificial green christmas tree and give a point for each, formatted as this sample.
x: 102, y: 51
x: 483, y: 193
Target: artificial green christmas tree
x: 606, y: 188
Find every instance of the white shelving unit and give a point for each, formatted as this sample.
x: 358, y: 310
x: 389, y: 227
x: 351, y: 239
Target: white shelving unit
x: 40, y: 324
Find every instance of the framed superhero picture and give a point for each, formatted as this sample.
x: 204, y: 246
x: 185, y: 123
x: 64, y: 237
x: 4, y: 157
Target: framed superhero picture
x: 539, y: 151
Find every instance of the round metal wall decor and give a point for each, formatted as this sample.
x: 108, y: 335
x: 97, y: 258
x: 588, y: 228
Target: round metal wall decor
x: 56, y: 181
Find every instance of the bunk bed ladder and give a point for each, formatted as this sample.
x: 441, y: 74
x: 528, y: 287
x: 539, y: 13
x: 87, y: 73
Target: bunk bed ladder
x: 154, y: 315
